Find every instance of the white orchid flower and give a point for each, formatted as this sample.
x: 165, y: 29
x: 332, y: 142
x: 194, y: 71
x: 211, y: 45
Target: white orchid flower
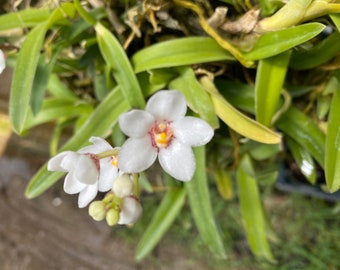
x: 2, y: 61
x: 87, y: 172
x: 162, y: 131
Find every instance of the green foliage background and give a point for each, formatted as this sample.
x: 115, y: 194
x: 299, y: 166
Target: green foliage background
x: 264, y: 75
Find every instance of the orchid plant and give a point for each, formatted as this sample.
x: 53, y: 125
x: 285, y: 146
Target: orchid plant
x: 253, y: 91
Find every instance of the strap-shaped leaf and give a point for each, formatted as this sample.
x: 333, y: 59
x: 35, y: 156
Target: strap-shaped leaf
x: 303, y: 130
x: 24, y: 18
x: 53, y: 109
x: 200, y: 204
x: 23, y: 76
x: 270, y: 76
x: 318, y: 55
x: 115, y: 56
x: 99, y: 122
x: 179, y: 52
x: 332, y: 157
x: 276, y: 42
x: 304, y: 160
x: 236, y: 120
x: 165, y: 215
x: 252, y: 210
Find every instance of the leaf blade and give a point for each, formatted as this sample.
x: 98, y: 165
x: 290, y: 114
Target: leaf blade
x: 165, y: 215
x: 200, y: 204
x: 23, y: 77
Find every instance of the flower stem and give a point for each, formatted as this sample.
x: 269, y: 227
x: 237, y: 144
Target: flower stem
x: 136, y: 190
x: 110, y: 153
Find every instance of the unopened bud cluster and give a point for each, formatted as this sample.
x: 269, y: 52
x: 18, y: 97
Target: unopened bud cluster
x: 119, y: 206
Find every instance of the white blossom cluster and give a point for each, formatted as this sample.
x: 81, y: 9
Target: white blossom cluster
x: 160, y: 131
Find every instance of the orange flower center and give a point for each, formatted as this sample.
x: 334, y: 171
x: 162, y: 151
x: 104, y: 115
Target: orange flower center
x: 161, y: 134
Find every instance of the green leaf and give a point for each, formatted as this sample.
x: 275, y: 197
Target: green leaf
x: 23, y: 77
x: 60, y: 14
x: 303, y: 130
x: 332, y: 156
x: 240, y: 95
x: 115, y: 56
x: 252, y: 210
x: 197, y: 98
x: 273, y: 43
x: 40, y: 82
x: 200, y: 204
x: 304, y: 160
x: 59, y: 90
x: 24, y: 18
x: 53, y: 109
x: 224, y: 183
x: 99, y: 123
x: 318, y: 55
x: 179, y: 52
x: 270, y: 76
x: 236, y: 120
x: 165, y: 215
x: 336, y: 20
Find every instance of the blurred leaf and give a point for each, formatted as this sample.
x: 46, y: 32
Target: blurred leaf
x: 40, y: 82
x: 236, y: 120
x: 115, y: 56
x: 60, y: 14
x: 304, y: 160
x: 322, y: 106
x: 304, y: 131
x: 264, y: 151
x: 54, y: 109
x: 200, y: 205
x: 100, y: 86
x: 179, y: 52
x: 318, y: 55
x: 240, y: 95
x: 23, y: 76
x: 165, y: 215
x: 270, y: 76
x: 197, y: 98
x: 58, y: 89
x: 224, y: 183
x: 252, y: 211
x: 99, y: 123
x: 24, y: 18
x: 332, y: 157
x: 276, y: 42
x: 336, y: 20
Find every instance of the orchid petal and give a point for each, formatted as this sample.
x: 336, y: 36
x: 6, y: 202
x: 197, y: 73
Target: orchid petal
x: 55, y: 163
x: 2, y: 61
x: 69, y: 162
x: 178, y: 160
x: 87, y: 195
x: 192, y: 131
x: 136, y: 155
x: 108, y: 173
x: 86, y: 170
x: 99, y: 146
x: 131, y: 211
x: 167, y: 105
x: 136, y: 123
x: 72, y: 185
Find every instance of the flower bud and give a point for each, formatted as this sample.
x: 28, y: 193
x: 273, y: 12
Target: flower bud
x: 122, y: 186
x: 131, y: 210
x: 112, y: 217
x: 97, y: 210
